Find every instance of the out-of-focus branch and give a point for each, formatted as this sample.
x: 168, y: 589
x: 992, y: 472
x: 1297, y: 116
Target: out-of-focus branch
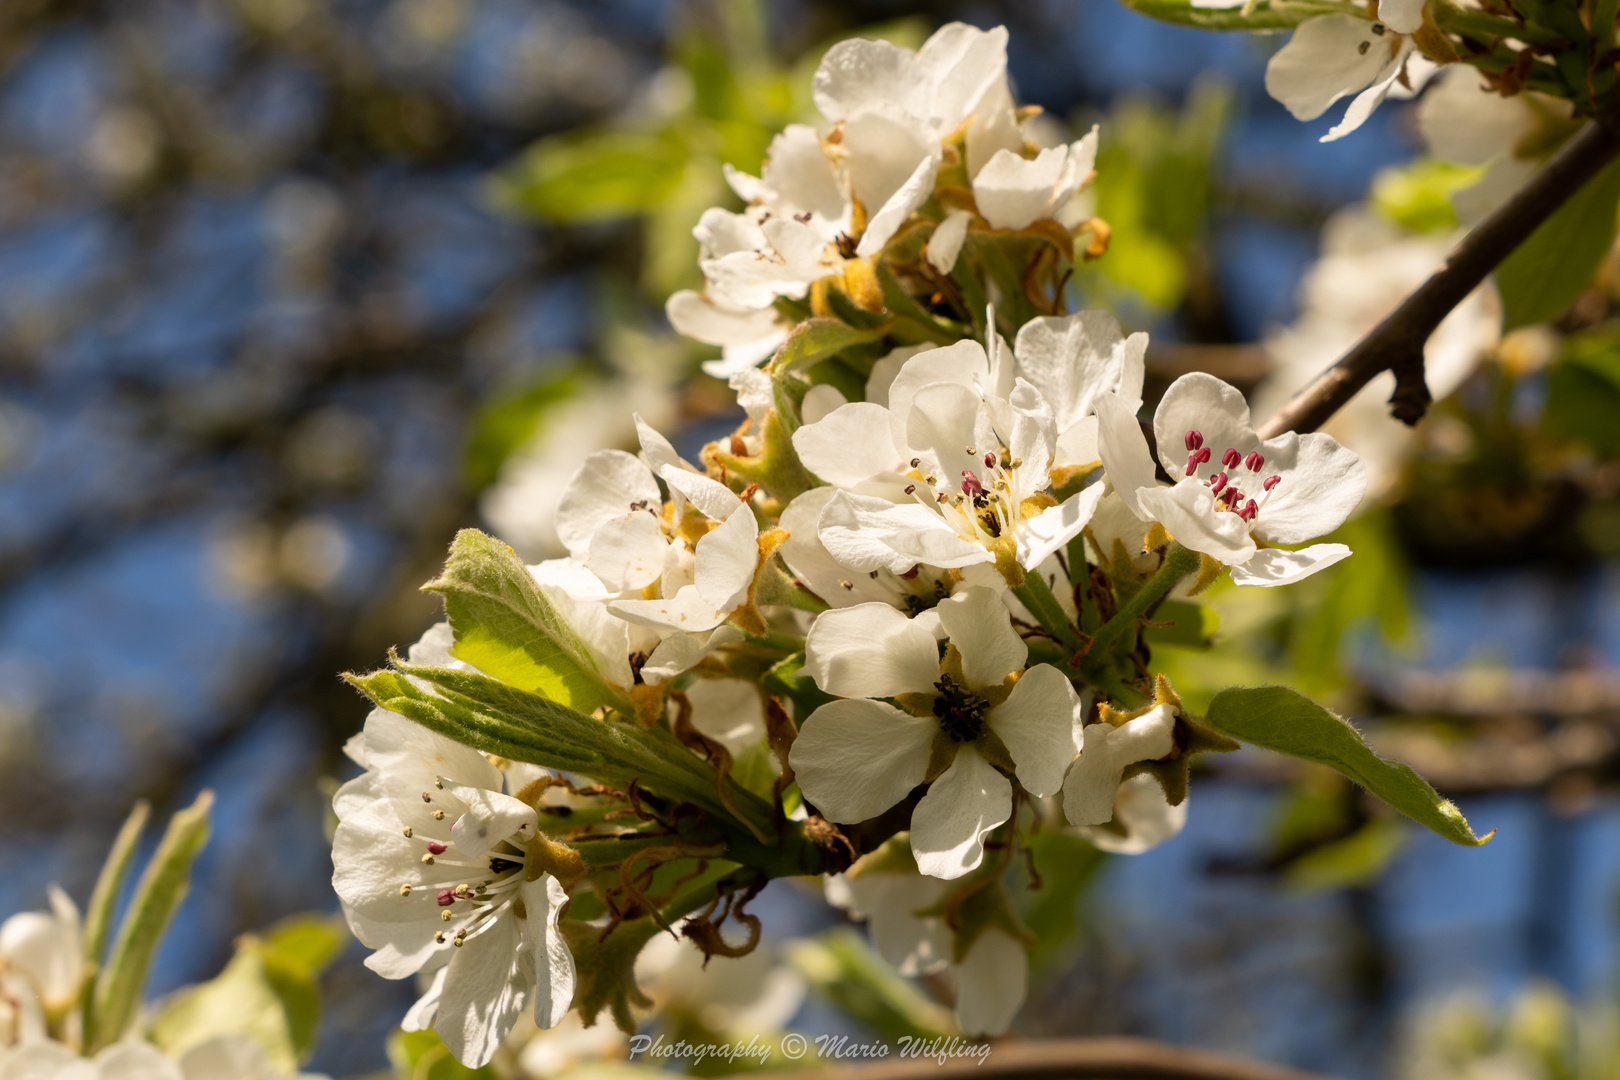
x: 1396, y: 344
x: 1071, y: 1059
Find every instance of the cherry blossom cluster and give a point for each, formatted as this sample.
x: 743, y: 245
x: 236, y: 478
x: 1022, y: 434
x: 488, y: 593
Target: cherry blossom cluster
x: 901, y: 606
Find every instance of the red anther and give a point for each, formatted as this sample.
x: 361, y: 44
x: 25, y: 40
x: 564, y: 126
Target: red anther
x: 447, y: 897
x: 909, y: 574
x: 1248, y: 511
x: 1195, y: 440
x: 970, y: 484
x: 1192, y: 464
x: 1271, y: 482
x: 1231, y: 495
x: 990, y: 460
x: 1217, y: 482
x: 1255, y: 461
x: 1204, y: 455
x: 1231, y: 458
x: 435, y: 848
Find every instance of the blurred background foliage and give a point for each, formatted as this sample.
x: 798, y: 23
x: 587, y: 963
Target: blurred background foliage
x: 292, y: 289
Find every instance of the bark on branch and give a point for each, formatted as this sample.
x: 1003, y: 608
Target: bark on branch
x: 1069, y: 1059
x: 1396, y: 344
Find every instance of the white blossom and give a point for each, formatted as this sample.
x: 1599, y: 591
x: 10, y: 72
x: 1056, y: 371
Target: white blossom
x: 226, y: 1057
x: 430, y: 861
x: 1143, y: 818
x: 856, y: 757
x: 1093, y: 781
x: 1231, y: 489
x: 992, y: 980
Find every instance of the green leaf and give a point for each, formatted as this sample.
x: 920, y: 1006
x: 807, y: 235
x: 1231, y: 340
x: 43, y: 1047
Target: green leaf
x: 1549, y: 271
x: 267, y: 993
x: 593, y: 175
x: 118, y: 987
x: 817, y: 339
x: 1288, y: 722
x: 841, y: 967
x: 422, y: 1055
x: 98, y: 916
x: 1192, y: 626
x: 1267, y: 14
x: 1417, y: 196
x: 507, y: 628
x: 1357, y: 859
x: 1583, y: 394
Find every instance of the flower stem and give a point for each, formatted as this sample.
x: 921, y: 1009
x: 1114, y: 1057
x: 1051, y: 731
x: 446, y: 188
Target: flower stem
x: 1036, y: 596
x: 1178, y: 563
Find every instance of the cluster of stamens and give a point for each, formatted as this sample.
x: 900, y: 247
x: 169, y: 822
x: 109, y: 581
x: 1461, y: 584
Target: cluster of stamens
x: 985, y: 505
x: 960, y: 711
x: 1228, y: 495
x: 485, y: 899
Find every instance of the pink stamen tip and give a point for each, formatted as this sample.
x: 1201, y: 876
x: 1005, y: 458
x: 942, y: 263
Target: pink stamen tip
x: 970, y: 484
x: 1195, y: 441
x: 435, y: 848
x: 1249, y: 511
x: 1217, y: 482
x: 1204, y: 455
x: 447, y: 897
x: 990, y: 461
x: 1231, y: 458
x: 1271, y: 482
x: 1192, y: 464
x: 909, y: 574
x: 1255, y: 461
x: 1231, y: 495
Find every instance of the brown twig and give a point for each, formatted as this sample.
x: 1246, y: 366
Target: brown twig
x: 1071, y: 1059
x: 1396, y: 344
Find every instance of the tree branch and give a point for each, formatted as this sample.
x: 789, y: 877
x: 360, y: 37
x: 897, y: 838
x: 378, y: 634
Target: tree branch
x: 1396, y: 344
x: 1070, y: 1059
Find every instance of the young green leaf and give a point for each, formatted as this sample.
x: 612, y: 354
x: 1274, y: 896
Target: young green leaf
x: 98, y: 916
x: 594, y: 175
x: 1284, y: 720
x: 1549, y: 271
x: 1265, y: 15
x: 117, y: 992
x: 506, y: 627
x: 818, y: 338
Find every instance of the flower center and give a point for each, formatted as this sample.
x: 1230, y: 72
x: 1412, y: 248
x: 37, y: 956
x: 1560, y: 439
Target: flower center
x: 960, y: 711
x: 983, y: 505
x: 475, y: 890
x: 1225, y: 482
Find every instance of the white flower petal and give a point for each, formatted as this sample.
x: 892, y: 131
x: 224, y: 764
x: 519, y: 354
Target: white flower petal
x: 1037, y: 724
x: 1369, y: 99
x: 1089, y: 789
x: 949, y: 825
x: 1145, y: 814
x: 1273, y: 566
x: 963, y: 363
x: 946, y: 243
x: 1401, y: 16
x: 547, y: 951
x: 912, y: 193
x: 1072, y: 360
x: 821, y: 401
x: 994, y: 128
x: 133, y: 1061
x: 865, y: 533
x: 871, y: 651
x: 991, y: 983
x: 1041, y: 535
x: 858, y: 73
x: 490, y: 818
x: 627, y: 553
x: 850, y: 445
x: 1322, y: 484
x: 686, y: 611
x: 913, y: 944
x: 484, y: 992
x: 727, y: 556
x: 708, y: 495
x: 948, y: 421
x: 1124, y: 453
x: 1323, y: 62
x: 420, y: 1016
x: 700, y: 318
x: 680, y: 652
x: 604, y: 488
x: 1213, y: 408
x: 980, y: 627
x: 1187, y: 511
x: 813, y: 564
x: 854, y: 759
x: 802, y: 178
x: 960, y: 65
x: 728, y: 711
